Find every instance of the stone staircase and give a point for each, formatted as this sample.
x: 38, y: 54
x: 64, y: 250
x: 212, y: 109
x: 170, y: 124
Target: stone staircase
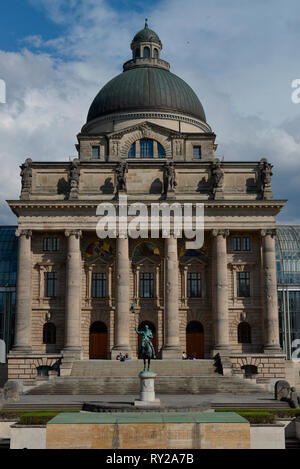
x: 292, y: 443
x: 96, y: 377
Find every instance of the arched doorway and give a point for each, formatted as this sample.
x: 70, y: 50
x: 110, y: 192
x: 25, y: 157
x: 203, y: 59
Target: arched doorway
x: 153, y: 330
x: 98, y: 340
x: 195, y: 339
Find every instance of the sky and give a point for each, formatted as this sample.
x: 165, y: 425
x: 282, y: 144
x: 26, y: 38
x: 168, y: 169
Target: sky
x: 239, y: 56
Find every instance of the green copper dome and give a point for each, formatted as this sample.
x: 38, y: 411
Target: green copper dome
x: 146, y: 85
x: 146, y: 89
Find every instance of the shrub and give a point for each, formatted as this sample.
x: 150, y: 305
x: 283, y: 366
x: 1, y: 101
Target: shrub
x: 258, y: 417
x: 36, y: 419
x: 279, y: 413
x: 26, y: 417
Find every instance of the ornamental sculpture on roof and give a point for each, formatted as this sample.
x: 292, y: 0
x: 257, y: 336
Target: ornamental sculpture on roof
x: 74, y: 176
x: 169, y: 177
x: 26, y: 178
x: 121, y: 172
x: 265, y: 171
x: 217, y: 177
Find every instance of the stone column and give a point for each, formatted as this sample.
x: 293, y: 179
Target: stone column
x: 221, y: 291
x: 73, y: 294
x: 122, y: 318
x: 271, y: 323
x: 171, y: 349
x: 22, y: 343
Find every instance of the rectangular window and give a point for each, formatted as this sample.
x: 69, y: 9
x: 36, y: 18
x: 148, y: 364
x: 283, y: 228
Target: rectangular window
x: 146, y: 148
x: 194, y: 285
x: 51, y: 244
x: 146, y: 285
x: 197, y: 152
x: 47, y: 244
x: 95, y: 153
x: 241, y: 243
x: 99, y: 285
x: 243, y: 284
x: 50, y: 284
x: 55, y: 244
x: 246, y: 244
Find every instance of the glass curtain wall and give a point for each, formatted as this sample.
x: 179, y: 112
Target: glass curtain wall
x: 288, y: 280
x: 8, y: 274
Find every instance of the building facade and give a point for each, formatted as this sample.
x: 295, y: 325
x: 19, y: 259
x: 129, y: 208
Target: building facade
x: 146, y: 138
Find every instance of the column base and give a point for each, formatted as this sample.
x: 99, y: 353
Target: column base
x: 20, y: 350
x: 272, y: 349
x: 72, y: 352
x: 120, y: 348
x: 223, y: 350
x: 171, y: 352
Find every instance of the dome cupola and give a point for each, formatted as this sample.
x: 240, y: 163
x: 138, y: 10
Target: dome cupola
x: 146, y: 90
x: 146, y: 44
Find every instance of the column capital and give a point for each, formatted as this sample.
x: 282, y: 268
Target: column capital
x: 224, y: 233
x: 27, y: 233
x: 77, y: 233
x: 268, y: 232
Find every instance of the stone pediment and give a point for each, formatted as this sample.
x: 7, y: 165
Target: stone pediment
x: 98, y: 261
x: 189, y: 260
x: 147, y: 129
x: 146, y: 260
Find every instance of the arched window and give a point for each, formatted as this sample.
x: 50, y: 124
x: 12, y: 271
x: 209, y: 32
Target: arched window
x: 244, y: 333
x: 137, y: 52
x: 161, y: 151
x: 146, y: 52
x: 155, y: 53
x: 146, y: 148
x: 131, y: 152
x: 49, y: 333
x: 249, y: 370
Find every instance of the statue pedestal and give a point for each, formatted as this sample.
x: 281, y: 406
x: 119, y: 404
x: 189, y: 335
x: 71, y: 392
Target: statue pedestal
x: 147, y: 392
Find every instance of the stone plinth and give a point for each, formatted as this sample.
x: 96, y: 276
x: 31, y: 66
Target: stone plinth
x: 147, y: 390
x: 148, y: 430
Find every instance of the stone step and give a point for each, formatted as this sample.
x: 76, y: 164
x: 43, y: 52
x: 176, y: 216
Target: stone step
x: 130, y: 385
x: 292, y: 443
x: 256, y: 405
x: 131, y: 368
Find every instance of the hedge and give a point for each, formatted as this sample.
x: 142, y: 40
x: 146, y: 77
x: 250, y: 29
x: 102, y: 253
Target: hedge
x: 36, y: 419
x: 279, y: 413
x: 258, y: 417
x: 21, y: 415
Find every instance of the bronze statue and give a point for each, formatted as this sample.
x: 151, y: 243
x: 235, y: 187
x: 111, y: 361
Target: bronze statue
x: 146, y: 350
x: 169, y: 177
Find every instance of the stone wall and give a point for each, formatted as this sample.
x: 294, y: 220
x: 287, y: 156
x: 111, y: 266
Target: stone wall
x: 268, y: 367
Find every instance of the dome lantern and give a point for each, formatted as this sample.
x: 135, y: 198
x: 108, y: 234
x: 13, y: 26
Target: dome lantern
x: 146, y: 44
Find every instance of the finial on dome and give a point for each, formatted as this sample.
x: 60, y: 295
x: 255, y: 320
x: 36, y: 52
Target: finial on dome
x: 146, y: 23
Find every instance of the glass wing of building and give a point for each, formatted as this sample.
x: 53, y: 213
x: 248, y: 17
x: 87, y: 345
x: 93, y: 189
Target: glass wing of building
x: 288, y: 280
x: 8, y: 275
